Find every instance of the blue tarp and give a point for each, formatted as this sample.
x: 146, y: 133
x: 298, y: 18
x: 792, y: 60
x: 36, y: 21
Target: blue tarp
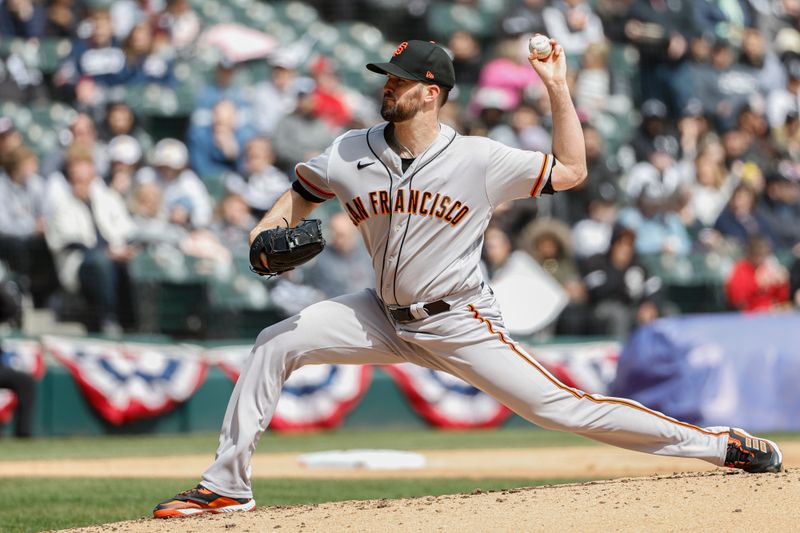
x: 717, y: 370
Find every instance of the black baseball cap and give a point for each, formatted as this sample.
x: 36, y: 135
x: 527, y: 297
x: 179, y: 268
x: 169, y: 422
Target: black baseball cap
x: 419, y: 60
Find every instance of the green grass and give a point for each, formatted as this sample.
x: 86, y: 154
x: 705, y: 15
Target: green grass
x: 165, y: 445
x: 420, y: 439
x: 73, y: 502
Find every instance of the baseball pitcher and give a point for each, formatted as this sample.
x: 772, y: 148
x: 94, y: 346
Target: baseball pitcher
x: 421, y: 196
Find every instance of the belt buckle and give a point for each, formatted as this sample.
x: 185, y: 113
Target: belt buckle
x: 418, y: 311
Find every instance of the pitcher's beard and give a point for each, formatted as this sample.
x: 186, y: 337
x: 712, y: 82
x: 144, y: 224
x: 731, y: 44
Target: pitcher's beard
x: 399, y: 112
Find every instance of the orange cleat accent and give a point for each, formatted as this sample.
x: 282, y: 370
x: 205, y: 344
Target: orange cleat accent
x: 200, y: 500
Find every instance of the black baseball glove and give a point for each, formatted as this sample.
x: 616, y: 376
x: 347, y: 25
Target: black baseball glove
x: 286, y: 248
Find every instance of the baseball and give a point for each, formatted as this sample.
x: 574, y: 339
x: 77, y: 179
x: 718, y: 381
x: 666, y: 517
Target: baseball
x: 541, y: 44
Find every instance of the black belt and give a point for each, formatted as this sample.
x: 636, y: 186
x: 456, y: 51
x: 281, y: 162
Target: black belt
x: 403, y: 314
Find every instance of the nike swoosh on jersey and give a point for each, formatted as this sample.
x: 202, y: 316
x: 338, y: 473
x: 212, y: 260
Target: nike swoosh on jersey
x: 361, y: 165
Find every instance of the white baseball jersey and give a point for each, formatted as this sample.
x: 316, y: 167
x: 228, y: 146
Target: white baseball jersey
x: 423, y: 227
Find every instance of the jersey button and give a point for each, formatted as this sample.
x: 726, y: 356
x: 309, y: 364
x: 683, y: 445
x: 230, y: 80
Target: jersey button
x: 398, y: 227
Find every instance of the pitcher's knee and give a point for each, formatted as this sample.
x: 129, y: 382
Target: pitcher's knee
x: 279, y: 348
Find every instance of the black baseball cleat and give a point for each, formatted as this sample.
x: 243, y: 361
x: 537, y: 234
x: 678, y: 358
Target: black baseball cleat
x: 752, y: 454
x: 200, y: 500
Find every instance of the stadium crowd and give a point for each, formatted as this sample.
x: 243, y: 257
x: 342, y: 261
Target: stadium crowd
x: 691, y: 114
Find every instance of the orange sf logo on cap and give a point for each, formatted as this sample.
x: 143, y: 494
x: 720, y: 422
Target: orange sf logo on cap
x: 401, y: 48
x: 429, y: 75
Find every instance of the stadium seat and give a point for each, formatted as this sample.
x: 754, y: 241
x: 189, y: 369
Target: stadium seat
x: 325, y: 35
x: 368, y: 37
x: 52, y: 52
x: 445, y: 18
x: 301, y: 16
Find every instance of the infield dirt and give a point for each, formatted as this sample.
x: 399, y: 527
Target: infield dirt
x: 707, y: 501
x: 718, y: 500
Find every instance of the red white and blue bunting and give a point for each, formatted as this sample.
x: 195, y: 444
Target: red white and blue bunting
x: 126, y: 382
x: 446, y: 401
x: 24, y: 356
x: 129, y: 381
x: 314, y: 396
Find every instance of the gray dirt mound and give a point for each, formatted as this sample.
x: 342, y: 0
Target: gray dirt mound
x: 719, y: 500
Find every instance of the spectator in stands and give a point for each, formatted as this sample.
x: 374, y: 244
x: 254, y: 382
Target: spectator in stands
x: 658, y: 227
x: 787, y: 137
x: 22, y: 224
x: 739, y: 158
x: 330, y: 96
x: 152, y: 226
x: 662, y: 174
x: 740, y: 220
x: 493, y: 106
x: 497, y: 248
x: 526, y: 123
x: 523, y: 129
x: 794, y: 282
x: 343, y: 266
x: 593, y: 81
x: 694, y: 128
x: 177, y: 27
x: 63, y: 17
x: 780, y: 206
x: 655, y: 132
x: 467, y: 58
x: 120, y: 120
x: 758, y: 281
x: 275, y: 98
x: 24, y: 386
x: 752, y: 122
x: 160, y: 232
x: 761, y: 61
x: 525, y: 17
x: 592, y: 235
x: 22, y: 18
x: 574, y: 207
x: 125, y: 14
x: 548, y: 242
x: 661, y: 32
x: 789, y: 13
x: 219, y: 147
x: 301, y: 134
x: 10, y: 300
x: 186, y: 199
x: 125, y: 154
x: 711, y: 188
x: 574, y: 25
x: 223, y: 87
x: 725, y: 18
x: 81, y: 131
x: 142, y: 64
x: 233, y: 225
x: 10, y: 138
x: 94, y: 64
x: 622, y: 294
x: 509, y: 72
x: 725, y: 86
x: 261, y: 183
x: 88, y: 231
x: 783, y: 101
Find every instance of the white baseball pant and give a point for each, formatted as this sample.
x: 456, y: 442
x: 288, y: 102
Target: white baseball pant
x: 468, y: 341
